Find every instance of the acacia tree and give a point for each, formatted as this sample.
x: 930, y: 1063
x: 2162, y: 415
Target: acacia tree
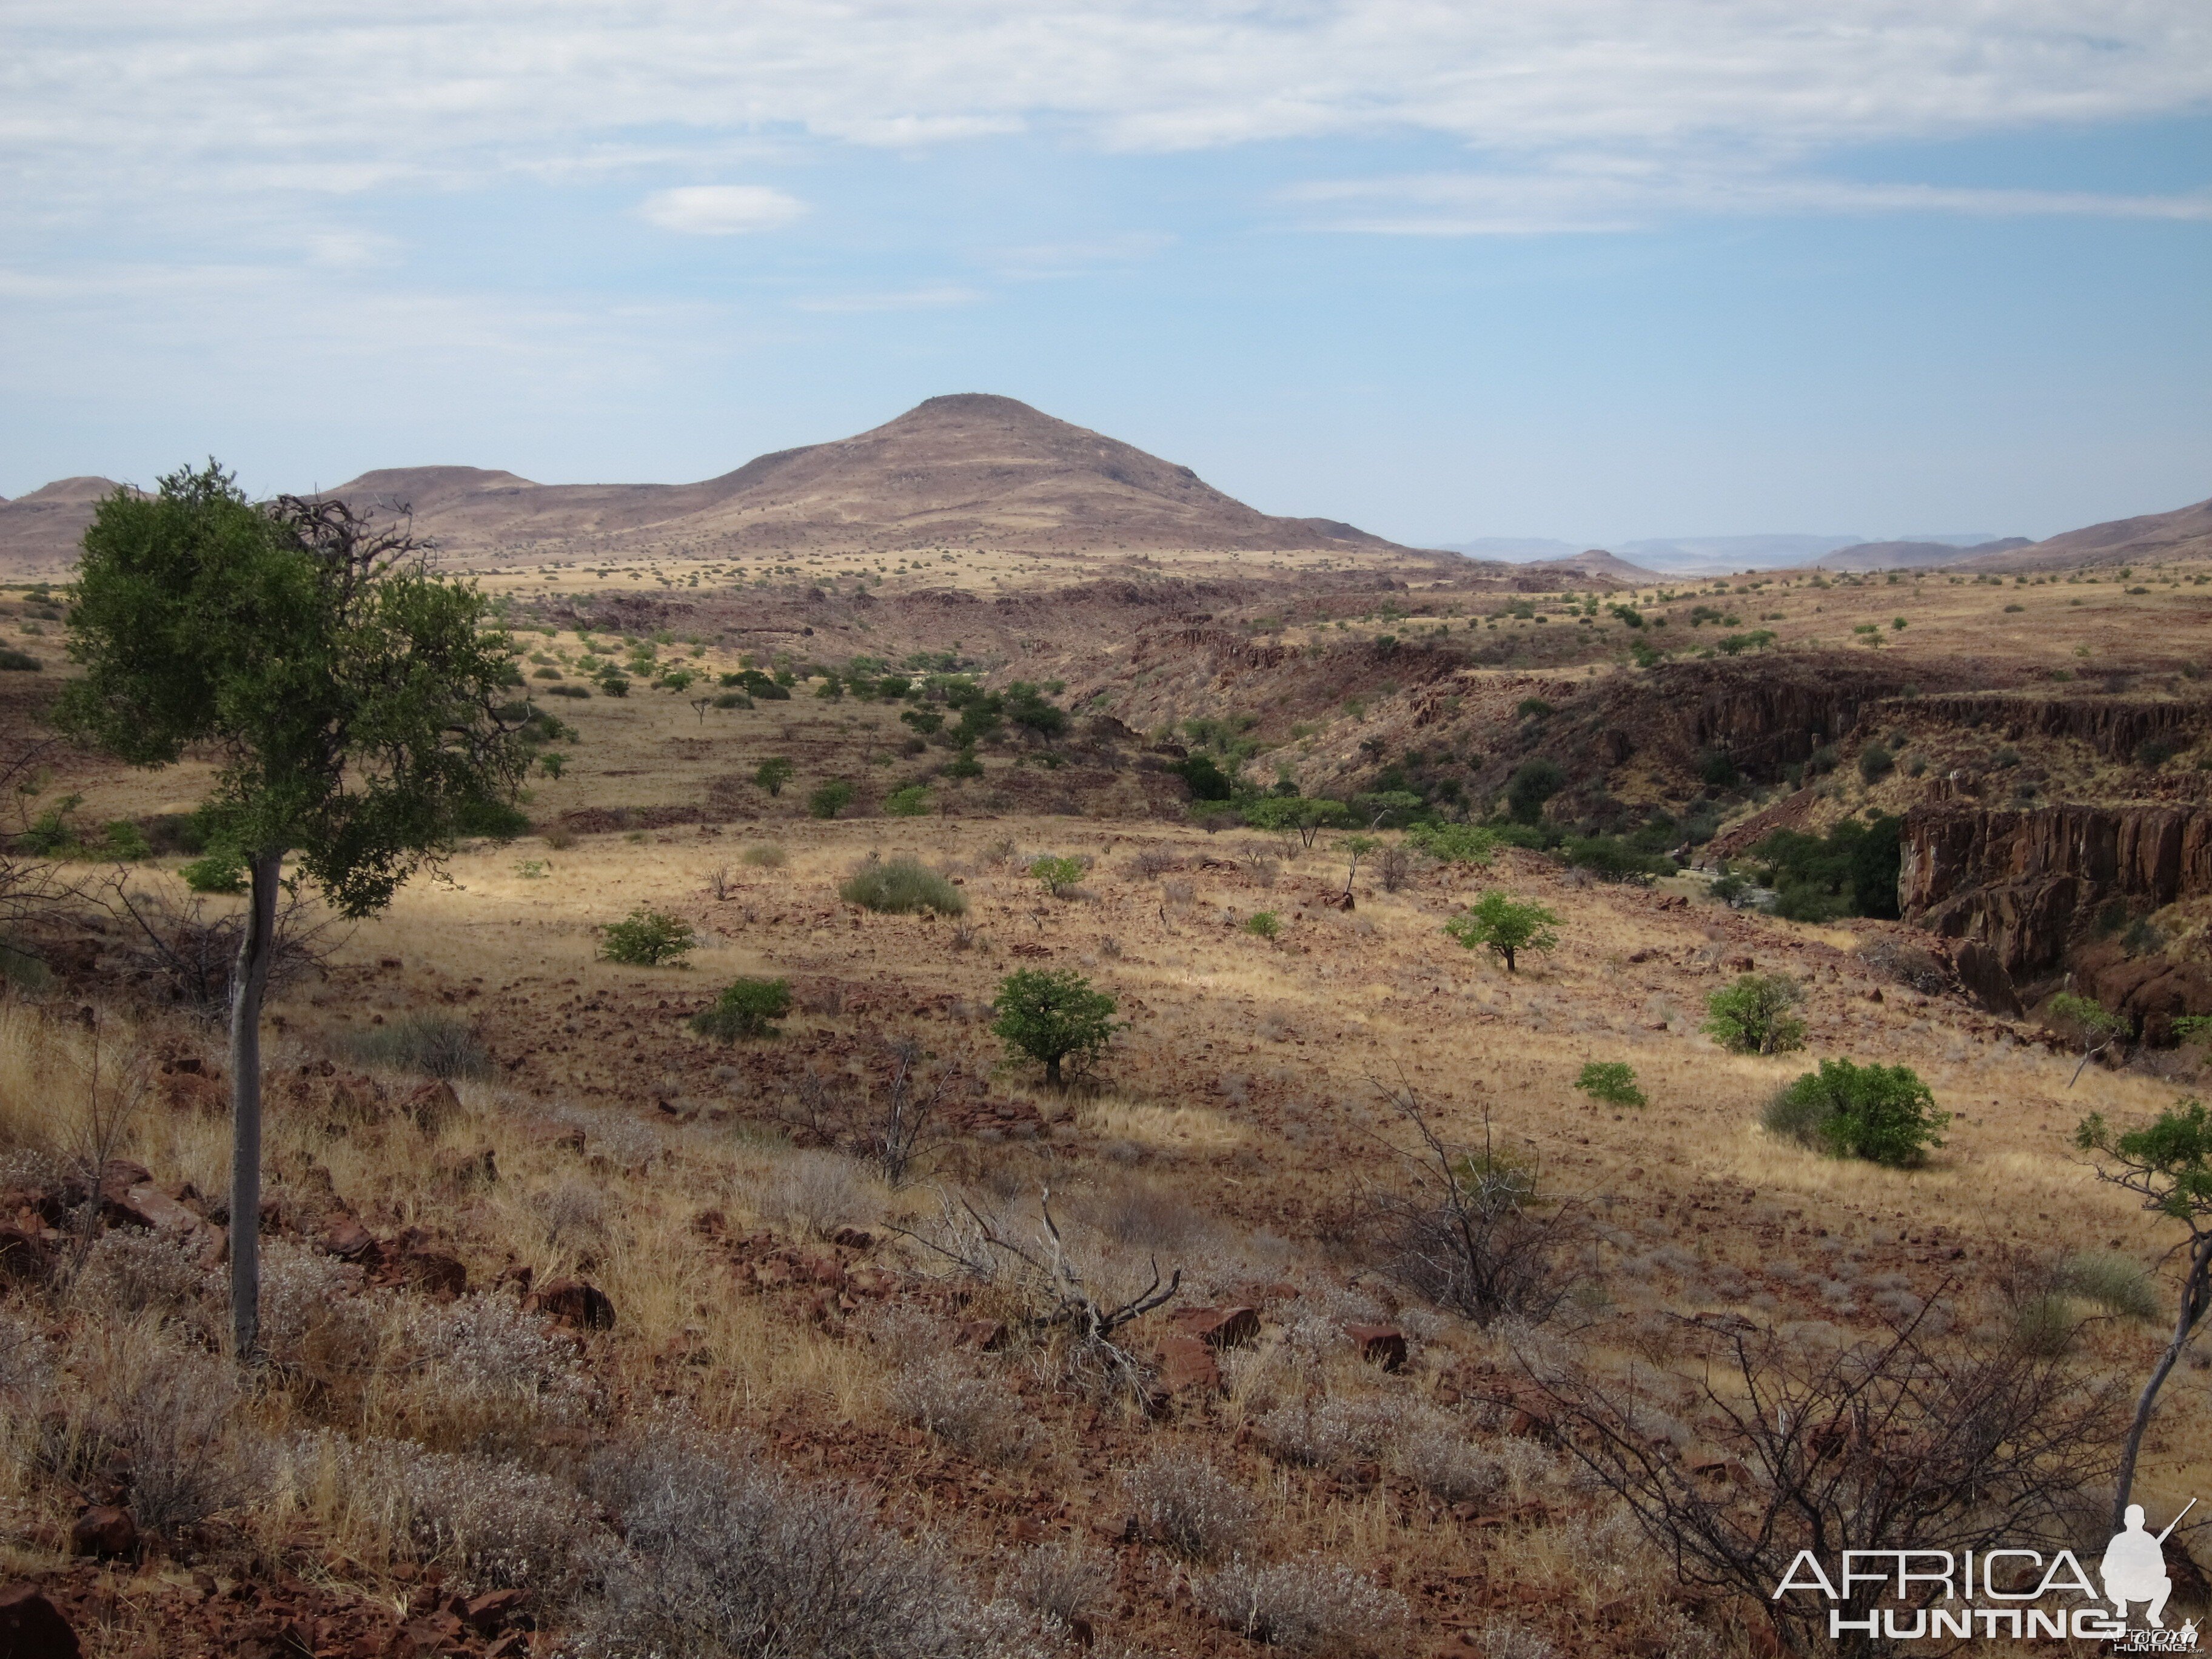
x: 2168, y: 1164
x: 1505, y: 927
x: 352, y: 694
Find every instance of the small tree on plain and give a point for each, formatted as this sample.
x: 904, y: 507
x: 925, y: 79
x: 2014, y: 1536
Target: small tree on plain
x: 773, y: 773
x: 647, y: 939
x: 1505, y: 927
x: 1049, y: 1015
x: 1611, y: 1083
x: 1354, y: 849
x: 2168, y: 1164
x: 357, y: 704
x: 1058, y: 874
x: 1753, y: 1016
x: 2097, y: 1027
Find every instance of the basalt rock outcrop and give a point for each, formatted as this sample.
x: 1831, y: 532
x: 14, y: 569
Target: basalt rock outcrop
x: 2115, y: 727
x: 2024, y: 889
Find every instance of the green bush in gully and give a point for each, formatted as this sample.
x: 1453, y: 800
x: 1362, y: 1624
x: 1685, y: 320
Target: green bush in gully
x: 746, y: 1011
x: 1882, y: 1113
x: 831, y: 798
x: 1852, y: 871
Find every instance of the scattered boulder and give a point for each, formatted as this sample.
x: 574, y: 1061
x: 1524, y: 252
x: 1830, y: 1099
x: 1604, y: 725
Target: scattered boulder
x: 104, y: 1531
x: 1218, y: 1327
x: 466, y: 1169
x: 31, y: 1627
x: 1187, y: 1366
x: 1379, y: 1345
x: 572, y: 1301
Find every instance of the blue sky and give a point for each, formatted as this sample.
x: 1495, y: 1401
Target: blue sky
x: 1599, y: 270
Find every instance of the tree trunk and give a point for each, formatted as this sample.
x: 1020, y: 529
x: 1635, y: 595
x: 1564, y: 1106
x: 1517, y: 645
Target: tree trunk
x: 2196, y: 1288
x: 1052, y: 1072
x: 1508, y: 950
x: 248, y: 986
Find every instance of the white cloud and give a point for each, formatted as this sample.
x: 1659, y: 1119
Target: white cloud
x: 918, y: 299
x: 162, y: 96
x: 720, y: 210
x: 1589, y: 194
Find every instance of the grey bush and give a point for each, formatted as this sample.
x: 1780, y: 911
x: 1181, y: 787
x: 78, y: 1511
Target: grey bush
x: 1183, y: 1501
x: 1311, y: 1605
x: 975, y: 1413
x: 437, y: 1045
x: 1063, y: 1583
x: 726, y: 1559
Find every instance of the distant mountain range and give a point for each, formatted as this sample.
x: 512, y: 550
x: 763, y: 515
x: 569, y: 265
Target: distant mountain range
x: 952, y: 472
x: 1713, y: 555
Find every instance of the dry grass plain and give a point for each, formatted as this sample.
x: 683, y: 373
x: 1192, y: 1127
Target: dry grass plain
x: 769, y: 1289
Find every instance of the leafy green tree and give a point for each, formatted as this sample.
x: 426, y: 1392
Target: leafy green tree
x: 1205, y: 777
x: 1753, y: 1016
x: 1058, y: 874
x: 831, y: 798
x: 355, y: 701
x: 1354, y: 849
x: 1027, y: 707
x: 1611, y: 1082
x: 1883, y: 1114
x: 647, y: 939
x: 746, y: 1009
x: 1263, y: 924
x: 911, y: 802
x: 1302, y: 816
x: 1051, y: 1014
x: 1505, y: 927
x: 2167, y: 1163
x: 773, y: 773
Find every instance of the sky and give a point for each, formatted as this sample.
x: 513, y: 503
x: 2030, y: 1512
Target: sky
x: 1596, y: 270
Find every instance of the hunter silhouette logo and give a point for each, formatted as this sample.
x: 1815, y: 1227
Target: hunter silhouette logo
x: 2007, y: 1592
x: 2134, y: 1567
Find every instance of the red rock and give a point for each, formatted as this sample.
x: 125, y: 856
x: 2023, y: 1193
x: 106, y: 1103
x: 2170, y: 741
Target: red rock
x: 349, y: 1240
x: 477, y: 1169
x: 572, y: 1301
x: 1187, y: 1365
x: 1383, y: 1345
x: 1218, y: 1327
x: 487, y: 1612
x: 105, y: 1531
x: 31, y: 1627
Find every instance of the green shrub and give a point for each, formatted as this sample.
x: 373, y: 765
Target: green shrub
x: 911, y: 802
x: 1058, y: 874
x: 1875, y: 763
x: 964, y: 764
x: 1207, y: 782
x: 2117, y: 1282
x: 901, y: 886
x: 732, y: 699
x: 1851, y: 871
x: 1533, y: 783
x: 1504, y: 927
x: 19, y: 662
x: 767, y: 856
x: 614, y: 685
x: 437, y: 1045
x: 220, y: 871
x: 647, y: 939
x: 497, y: 820
x: 1052, y: 1016
x: 123, y: 839
x: 568, y: 691
x: 831, y: 798
x: 1753, y: 1016
x: 1883, y: 1114
x: 1264, y: 924
x: 1611, y: 1082
x: 1454, y: 843
x: 773, y: 773
x: 1533, y: 709
x: 746, y: 1009
x: 1614, y: 860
